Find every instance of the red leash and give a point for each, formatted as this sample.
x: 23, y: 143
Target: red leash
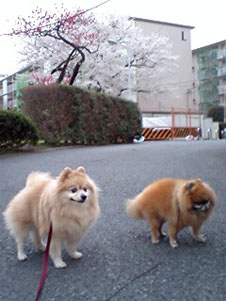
x: 45, y: 264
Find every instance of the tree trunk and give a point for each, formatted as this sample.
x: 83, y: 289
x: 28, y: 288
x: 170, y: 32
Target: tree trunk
x: 77, y: 67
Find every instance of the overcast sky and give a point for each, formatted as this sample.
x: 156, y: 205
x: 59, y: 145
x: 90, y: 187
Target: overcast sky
x: 208, y: 17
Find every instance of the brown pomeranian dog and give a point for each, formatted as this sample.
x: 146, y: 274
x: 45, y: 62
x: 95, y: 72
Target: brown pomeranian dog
x: 69, y: 202
x: 179, y: 202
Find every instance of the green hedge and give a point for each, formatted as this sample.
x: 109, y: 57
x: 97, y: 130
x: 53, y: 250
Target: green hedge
x: 16, y: 130
x: 217, y: 113
x: 66, y: 113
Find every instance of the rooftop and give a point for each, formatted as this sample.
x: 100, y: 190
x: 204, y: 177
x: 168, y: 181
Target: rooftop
x: 163, y: 23
x: 210, y: 46
x: 20, y: 71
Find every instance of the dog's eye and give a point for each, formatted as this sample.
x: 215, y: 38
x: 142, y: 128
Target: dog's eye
x: 85, y: 189
x: 73, y: 190
x: 203, y: 202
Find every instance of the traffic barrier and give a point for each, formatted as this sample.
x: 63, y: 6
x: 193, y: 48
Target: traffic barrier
x: 169, y: 133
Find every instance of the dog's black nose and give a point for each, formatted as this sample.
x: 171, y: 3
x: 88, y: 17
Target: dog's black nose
x: 83, y: 197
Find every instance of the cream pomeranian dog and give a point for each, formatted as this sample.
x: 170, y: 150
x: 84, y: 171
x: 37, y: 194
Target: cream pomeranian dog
x: 180, y: 202
x: 69, y: 202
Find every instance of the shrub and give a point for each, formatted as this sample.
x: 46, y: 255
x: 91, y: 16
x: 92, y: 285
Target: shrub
x: 16, y: 130
x: 79, y: 115
x: 101, y: 119
x: 50, y: 108
x: 217, y: 113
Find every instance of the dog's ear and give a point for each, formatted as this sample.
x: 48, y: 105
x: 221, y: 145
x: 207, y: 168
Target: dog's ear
x: 190, y: 185
x: 81, y: 169
x: 64, y: 174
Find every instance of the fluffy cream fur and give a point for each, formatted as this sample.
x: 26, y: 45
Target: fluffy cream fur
x: 69, y: 202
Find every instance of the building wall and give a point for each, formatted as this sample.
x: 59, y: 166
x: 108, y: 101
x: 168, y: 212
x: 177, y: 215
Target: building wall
x: 206, y: 70
x: 8, y: 92
x: 9, y: 89
x: 222, y: 73
x: 180, y: 80
x: 209, y: 63
x: 195, y: 77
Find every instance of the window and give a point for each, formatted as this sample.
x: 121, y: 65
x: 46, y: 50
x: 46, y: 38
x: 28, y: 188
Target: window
x: 215, y: 71
x: 202, y: 74
x: 214, y: 53
x: 202, y: 59
x: 183, y: 36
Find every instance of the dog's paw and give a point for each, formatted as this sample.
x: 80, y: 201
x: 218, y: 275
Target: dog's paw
x: 155, y: 241
x: 60, y: 264
x: 21, y: 256
x: 200, y: 238
x: 173, y: 244
x: 76, y: 255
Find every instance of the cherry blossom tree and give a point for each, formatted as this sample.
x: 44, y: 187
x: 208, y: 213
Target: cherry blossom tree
x: 127, y: 60
x: 108, y: 54
x: 56, y: 40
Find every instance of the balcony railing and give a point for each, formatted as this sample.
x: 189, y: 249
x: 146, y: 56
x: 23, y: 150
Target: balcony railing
x: 221, y: 54
x: 221, y: 71
x: 222, y: 89
x: 11, y: 88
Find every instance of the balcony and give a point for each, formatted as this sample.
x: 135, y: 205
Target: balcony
x: 11, y: 88
x: 221, y: 55
x: 222, y: 72
x: 222, y: 89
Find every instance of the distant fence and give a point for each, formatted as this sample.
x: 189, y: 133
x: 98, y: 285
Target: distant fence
x: 179, y: 124
x: 169, y: 133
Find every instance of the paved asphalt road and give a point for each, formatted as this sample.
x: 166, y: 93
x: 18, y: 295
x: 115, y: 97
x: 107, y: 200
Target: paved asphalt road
x: 119, y: 261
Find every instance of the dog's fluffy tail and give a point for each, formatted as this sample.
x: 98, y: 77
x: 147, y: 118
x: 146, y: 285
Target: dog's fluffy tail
x: 132, y: 208
x: 35, y: 177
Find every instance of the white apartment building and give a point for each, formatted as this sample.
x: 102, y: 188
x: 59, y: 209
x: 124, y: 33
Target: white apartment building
x: 179, y: 81
x: 9, y: 89
x: 8, y: 92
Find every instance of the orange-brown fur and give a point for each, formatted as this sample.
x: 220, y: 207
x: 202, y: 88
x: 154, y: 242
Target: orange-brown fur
x: 46, y: 200
x: 172, y: 200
